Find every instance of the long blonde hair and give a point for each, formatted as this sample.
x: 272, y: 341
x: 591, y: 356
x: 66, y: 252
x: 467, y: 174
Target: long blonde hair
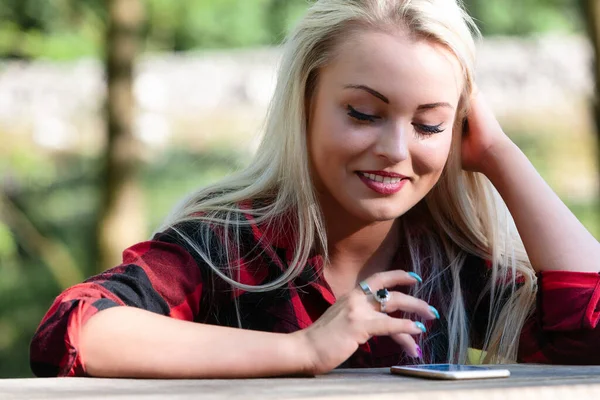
x: 467, y: 214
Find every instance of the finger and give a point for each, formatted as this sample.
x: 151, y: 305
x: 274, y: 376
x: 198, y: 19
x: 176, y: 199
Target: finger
x: 402, y: 302
x: 408, y: 344
x: 387, y: 326
x: 389, y: 279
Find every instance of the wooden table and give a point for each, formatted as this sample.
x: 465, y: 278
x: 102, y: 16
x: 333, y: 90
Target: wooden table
x: 526, y: 382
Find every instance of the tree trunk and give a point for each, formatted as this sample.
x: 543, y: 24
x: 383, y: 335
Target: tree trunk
x: 120, y: 222
x: 591, y: 12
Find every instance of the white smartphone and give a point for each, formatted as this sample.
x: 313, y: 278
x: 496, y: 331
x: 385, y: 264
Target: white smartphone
x: 449, y: 371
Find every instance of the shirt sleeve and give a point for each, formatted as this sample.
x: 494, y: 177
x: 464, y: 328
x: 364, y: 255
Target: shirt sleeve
x: 564, y: 328
x: 155, y: 275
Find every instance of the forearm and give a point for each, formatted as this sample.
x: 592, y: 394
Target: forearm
x: 129, y: 342
x: 553, y: 237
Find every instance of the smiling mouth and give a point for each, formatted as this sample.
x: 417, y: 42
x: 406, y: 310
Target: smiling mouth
x: 380, y: 178
x: 386, y: 185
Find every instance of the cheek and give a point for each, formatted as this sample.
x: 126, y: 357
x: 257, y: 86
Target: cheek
x: 429, y: 156
x: 333, y: 142
x: 324, y: 143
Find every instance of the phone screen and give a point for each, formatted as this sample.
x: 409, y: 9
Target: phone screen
x: 448, y: 367
x: 449, y: 371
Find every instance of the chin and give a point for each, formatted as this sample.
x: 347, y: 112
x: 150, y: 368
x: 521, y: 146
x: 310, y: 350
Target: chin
x: 387, y: 216
x: 380, y: 214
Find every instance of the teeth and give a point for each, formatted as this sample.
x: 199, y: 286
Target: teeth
x: 386, y: 180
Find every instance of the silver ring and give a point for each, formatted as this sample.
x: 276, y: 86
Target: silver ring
x: 383, y: 296
x: 365, y: 288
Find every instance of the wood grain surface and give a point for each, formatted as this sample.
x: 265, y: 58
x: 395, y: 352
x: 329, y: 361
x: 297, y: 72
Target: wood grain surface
x: 525, y: 382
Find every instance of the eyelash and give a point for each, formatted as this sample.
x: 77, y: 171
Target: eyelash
x: 422, y: 130
x: 427, y: 130
x: 360, y: 116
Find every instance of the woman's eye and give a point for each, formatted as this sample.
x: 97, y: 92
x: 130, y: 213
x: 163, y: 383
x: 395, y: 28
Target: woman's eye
x: 427, y: 130
x: 361, y: 116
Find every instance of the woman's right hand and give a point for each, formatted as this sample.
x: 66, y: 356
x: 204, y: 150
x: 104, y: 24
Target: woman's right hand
x: 356, y: 317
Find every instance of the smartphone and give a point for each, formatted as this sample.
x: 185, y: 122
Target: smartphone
x: 449, y: 371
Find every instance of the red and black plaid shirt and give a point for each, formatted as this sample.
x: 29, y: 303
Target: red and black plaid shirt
x: 163, y: 276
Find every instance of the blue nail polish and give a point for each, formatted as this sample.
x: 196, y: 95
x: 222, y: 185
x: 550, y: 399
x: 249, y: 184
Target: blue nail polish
x: 434, y: 311
x: 421, y: 326
x: 417, y: 277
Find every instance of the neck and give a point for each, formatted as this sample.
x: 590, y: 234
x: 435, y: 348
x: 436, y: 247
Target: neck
x: 360, y: 243
x: 357, y: 249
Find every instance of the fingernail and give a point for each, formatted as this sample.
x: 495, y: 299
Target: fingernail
x: 417, y: 277
x: 419, y: 352
x: 421, y: 326
x: 435, y: 312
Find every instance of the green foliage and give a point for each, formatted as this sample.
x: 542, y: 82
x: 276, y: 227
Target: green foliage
x: 8, y: 246
x: 63, y: 207
x: 209, y: 24
x: 67, y: 29
x: 523, y: 17
x: 218, y: 24
x: 26, y: 291
x: 59, y: 29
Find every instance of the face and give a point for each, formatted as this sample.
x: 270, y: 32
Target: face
x: 380, y: 124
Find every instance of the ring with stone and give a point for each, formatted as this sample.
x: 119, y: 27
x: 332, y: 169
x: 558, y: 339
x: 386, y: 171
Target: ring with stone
x: 365, y: 288
x: 383, y: 296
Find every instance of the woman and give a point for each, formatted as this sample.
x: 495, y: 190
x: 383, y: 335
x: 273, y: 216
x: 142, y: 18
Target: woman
x: 372, y: 218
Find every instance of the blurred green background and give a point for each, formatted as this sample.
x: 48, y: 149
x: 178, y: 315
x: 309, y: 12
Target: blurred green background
x: 52, y: 197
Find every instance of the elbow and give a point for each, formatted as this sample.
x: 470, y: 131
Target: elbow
x: 51, y: 350
x: 44, y: 360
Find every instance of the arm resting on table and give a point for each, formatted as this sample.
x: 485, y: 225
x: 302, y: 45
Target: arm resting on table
x: 129, y: 342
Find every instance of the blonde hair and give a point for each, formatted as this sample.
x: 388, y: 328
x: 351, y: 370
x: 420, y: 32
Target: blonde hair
x: 466, y: 214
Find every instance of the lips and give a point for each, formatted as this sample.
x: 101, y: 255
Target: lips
x: 380, y: 178
x: 385, y: 183
x: 384, y: 173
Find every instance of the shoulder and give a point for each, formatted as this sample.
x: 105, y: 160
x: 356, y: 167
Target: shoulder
x: 209, y: 232
x: 240, y: 234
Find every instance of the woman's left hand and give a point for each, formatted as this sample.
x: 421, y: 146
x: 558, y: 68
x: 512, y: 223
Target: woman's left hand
x: 483, y: 135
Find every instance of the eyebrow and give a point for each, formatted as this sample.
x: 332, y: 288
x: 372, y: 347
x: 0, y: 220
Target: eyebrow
x: 381, y: 97
x: 434, y: 105
x: 369, y: 90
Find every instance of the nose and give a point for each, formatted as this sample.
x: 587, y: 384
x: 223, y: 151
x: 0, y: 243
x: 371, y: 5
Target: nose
x: 393, y: 143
